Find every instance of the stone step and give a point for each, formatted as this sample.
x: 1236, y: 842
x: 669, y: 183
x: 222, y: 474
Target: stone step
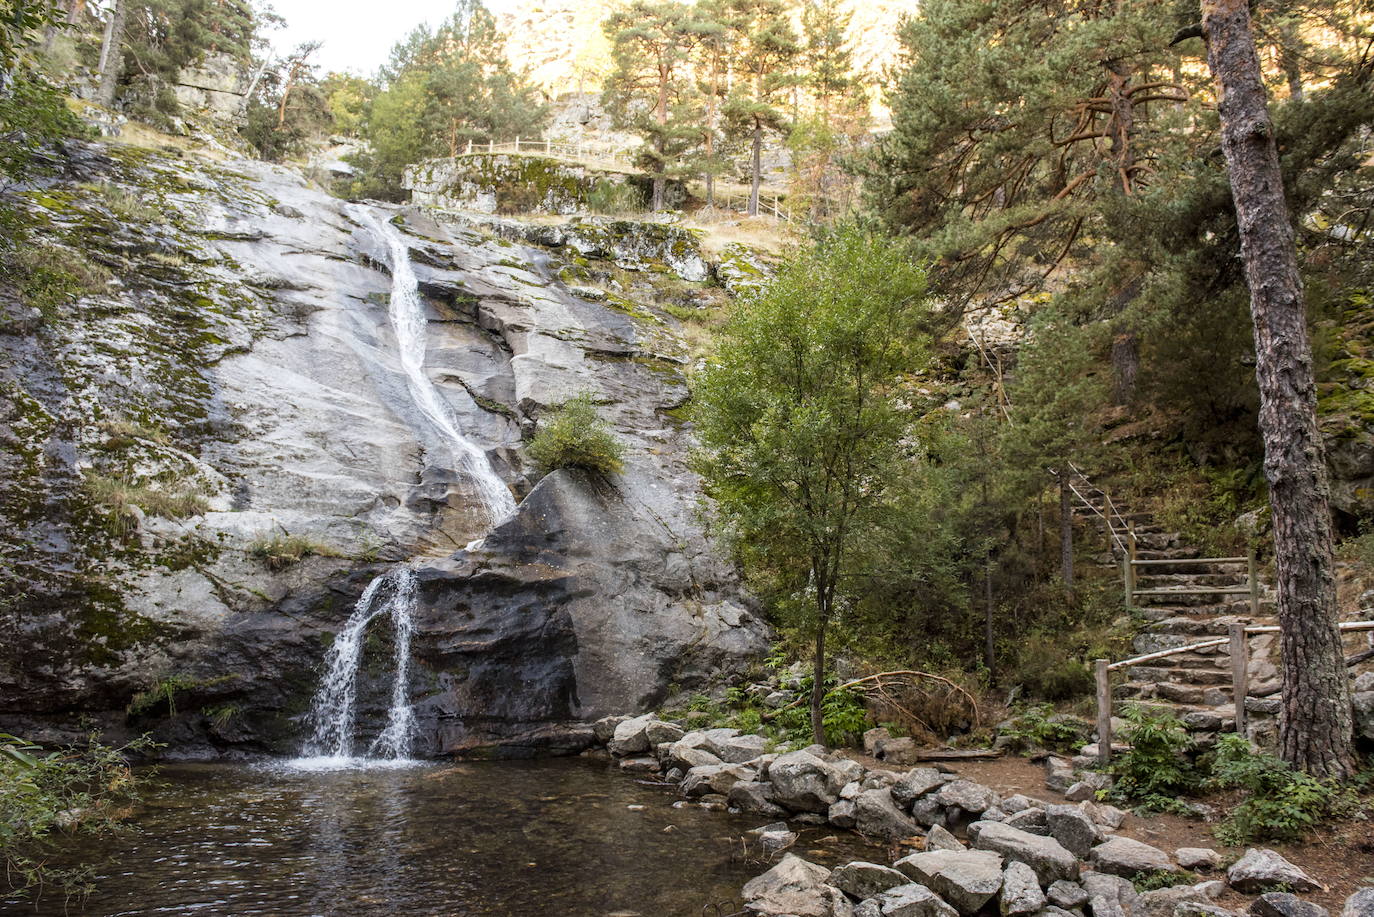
x: 1201, y: 628
x: 1179, y: 675
x: 1184, y: 580
x: 1168, y: 554
x: 1156, y: 541
x: 1233, y: 569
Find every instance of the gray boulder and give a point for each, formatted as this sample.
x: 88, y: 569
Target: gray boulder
x: 1285, y: 904
x: 1045, y: 855
x: 604, y: 728
x: 641, y: 733
x: 1197, y: 858
x: 1122, y: 856
x: 1066, y: 894
x: 1260, y: 869
x: 1162, y: 902
x: 973, y: 798
x: 1070, y: 826
x: 1360, y: 904
x: 736, y: 749
x: 911, y: 900
x: 1086, y: 788
x: 1111, y: 895
x: 795, y: 888
x: 1103, y: 815
x: 866, y: 880
x: 754, y: 797
x: 937, y: 838
x: 967, y: 879
x: 1200, y: 909
x: 714, y: 778
x: 843, y: 814
x: 1034, y: 820
x: 928, y: 811
x: 916, y: 783
x: 803, y: 782
x: 1059, y: 774
x: 1021, y: 892
x: 876, y: 815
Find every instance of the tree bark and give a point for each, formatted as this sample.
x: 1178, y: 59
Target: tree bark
x: 989, y: 647
x: 1315, y: 723
x: 756, y: 172
x: 112, y: 55
x: 1065, y: 533
x: 818, y: 683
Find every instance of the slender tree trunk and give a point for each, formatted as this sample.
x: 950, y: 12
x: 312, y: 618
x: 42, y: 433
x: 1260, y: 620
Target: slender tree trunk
x: 818, y: 682
x: 989, y: 646
x: 1315, y: 723
x: 1125, y: 343
x: 756, y: 171
x: 112, y: 55
x: 1065, y: 534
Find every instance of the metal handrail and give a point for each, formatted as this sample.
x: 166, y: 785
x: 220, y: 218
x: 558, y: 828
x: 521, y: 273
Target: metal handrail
x: 1110, y: 509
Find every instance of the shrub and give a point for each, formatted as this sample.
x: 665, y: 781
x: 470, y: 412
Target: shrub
x: 615, y: 199
x: 1281, y: 803
x: 1038, y: 727
x: 1156, y: 770
x: 121, y: 493
x: 575, y: 436
x: 278, y: 551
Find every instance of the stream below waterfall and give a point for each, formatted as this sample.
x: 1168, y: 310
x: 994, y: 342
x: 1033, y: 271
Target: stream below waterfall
x: 566, y: 837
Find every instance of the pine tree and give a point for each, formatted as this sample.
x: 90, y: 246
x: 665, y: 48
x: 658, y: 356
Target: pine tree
x: 767, y: 49
x: 651, y: 87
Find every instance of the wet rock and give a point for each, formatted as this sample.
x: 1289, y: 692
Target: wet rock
x: 604, y: 728
x: 876, y: 815
x: 1360, y: 904
x: 1197, y: 858
x: 973, y: 798
x: 866, y: 880
x: 967, y: 879
x: 803, y: 782
x: 1122, y: 856
x: 910, y: 900
x: 843, y: 814
x: 916, y: 783
x: 775, y: 837
x: 639, y: 765
x: 1072, y: 828
x: 1045, y: 855
x: 755, y: 798
x: 1021, y: 892
x: 796, y: 888
x: 1284, y: 904
x: 715, y: 779
x: 937, y: 838
x: 1260, y: 869
x: 1066, y: 894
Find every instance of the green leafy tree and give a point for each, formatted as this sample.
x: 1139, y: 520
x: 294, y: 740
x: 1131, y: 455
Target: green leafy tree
x: 801, y: 421
x: 766, y: 52
x: 651, y: 88
x: 575, y: 436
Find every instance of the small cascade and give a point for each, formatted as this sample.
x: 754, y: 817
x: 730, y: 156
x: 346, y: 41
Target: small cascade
x: 409, y: 323
x: 333, y: 710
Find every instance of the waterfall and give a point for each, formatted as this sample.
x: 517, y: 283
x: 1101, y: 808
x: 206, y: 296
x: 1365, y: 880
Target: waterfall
x: 332, y: 713
x: 409, y: 324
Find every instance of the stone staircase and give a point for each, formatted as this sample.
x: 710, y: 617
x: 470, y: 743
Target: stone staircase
x: 1197, y: 683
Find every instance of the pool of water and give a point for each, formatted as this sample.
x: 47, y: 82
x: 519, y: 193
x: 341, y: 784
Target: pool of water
x: 568, y: 837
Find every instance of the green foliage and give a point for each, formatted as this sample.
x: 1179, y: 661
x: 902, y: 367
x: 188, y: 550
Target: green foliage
x: 46, y: 796
x: 615, y: 199
x: 1152, y: 881
x: 164, y: 693
x: 280, y: 551
x: 119, y: 494
x: 1156, y: 769
x: 1280, y: 804
x: 1039, y: 726
x: 575, y: 436
x: 33, y: 116
x: 844, y: 717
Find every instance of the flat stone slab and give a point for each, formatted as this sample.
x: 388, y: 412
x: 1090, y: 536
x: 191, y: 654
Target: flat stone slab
x: 1045, y: 855
x: 1261, y: 869
x: 967, y: 879
x: 1122, y: 856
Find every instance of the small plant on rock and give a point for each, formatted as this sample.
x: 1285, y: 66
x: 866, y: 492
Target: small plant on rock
x: 575, y: 436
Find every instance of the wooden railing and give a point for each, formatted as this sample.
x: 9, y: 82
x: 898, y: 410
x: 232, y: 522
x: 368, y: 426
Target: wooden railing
x: 1236, y: 638
x: 1131, y: 565
x: 1114, y: 523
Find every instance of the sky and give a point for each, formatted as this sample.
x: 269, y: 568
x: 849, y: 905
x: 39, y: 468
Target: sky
x: 357, y: 34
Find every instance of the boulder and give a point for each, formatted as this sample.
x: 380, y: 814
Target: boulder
x: 755, y: 798
x: 1059, y: 774
x: 1018, y: 803
x: 604, y: 728
x: 1122, y: 856
x: 843, y: 814
x: 1109, y: 894
x: 1197, y: 858
x: 873, y: 739
x: 1162, y: 902
x: 803, y: 782
x: 1086, y: 788
x: 866, y: 880
x: 910, y: 900
x: 1045, y: 855
x: 928, y: 811
x: 916, y: 783
x: 1364, y: 714
x: 1033, y: 820
x: 640, y: 765
x: 641, y: 733
x: 876, y: 815
x: 1103, y: 815
x: 937, y: 838
x: 714, y: 778
x: 1070, y: 826
x: 1200, y: 909
x: 796, y: 888
x: 967, y: 879
x: 686, y: 757
x: 1066, y: 894
x: 898, y: 751
x: 1261, y: 869
x: 1284, y: 904
x: 1360, y: 904
x: 775, y: 837
x: 1021, y: 892
x: 973, y: 798
x: 731, y: 747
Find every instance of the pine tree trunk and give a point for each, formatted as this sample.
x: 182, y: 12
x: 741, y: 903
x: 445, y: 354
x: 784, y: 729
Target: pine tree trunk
x: 1065, y: 533
x: 989, y: 646
x: 112, y: 55
x: 756, y: 172
x: 1315, y: 723
x: 818, y: 683
x: 659, y: 182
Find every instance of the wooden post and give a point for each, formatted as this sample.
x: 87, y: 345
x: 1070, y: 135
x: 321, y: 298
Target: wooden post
x: 517, y: 144
x: 1240, y: 669
x: 1128, y: 564
x: 1104, y: 713
x: 1254, y: 584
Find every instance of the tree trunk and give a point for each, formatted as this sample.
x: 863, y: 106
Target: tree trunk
x: 1065, y: 533
x: 989, y: 656
x: 659, y: 182
x: 1125, y: 365
x: 112, y: 55
x: 818, y: 683
x: 756, y: 171
x: 1315, y: 723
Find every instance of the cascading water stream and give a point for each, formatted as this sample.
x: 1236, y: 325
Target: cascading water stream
x: 333, y: 711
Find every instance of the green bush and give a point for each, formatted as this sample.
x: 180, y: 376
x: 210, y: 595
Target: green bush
x: 615, y: 199
x: 1038, y: 727
x: 1156, y: 770
x: 1281, y: 804
x: 575, y: 436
